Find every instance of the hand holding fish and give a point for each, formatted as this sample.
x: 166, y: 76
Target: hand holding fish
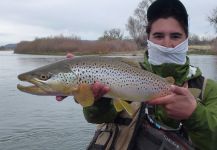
x: 97, y: 88
x: 179, y: 105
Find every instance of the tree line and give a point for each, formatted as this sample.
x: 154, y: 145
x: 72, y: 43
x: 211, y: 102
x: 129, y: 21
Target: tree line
x: 62, y: 45
x: 111, y: 40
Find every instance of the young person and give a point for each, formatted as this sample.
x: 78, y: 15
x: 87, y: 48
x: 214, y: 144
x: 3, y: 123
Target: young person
x: 167, y: 32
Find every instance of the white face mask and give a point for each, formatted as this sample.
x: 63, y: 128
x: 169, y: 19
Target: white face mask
x: 158, y: 54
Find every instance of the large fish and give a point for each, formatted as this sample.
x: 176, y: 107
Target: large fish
x: 74, y: 77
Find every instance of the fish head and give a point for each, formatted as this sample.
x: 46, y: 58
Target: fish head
x: 54, y: 79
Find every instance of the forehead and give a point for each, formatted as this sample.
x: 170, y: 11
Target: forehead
x: 166, y: 25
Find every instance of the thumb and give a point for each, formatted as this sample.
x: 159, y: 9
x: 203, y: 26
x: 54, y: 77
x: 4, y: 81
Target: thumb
x: 178, y: 90
x: 69, y: 56
x: 60, y: 98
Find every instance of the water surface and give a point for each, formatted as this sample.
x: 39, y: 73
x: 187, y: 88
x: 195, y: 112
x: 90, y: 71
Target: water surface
x: 29, y: 122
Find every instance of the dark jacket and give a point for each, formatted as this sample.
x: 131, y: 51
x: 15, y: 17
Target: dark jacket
x: 201, y: 125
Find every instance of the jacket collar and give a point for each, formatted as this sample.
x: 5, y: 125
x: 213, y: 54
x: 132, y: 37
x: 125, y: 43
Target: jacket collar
x: 181, y: 73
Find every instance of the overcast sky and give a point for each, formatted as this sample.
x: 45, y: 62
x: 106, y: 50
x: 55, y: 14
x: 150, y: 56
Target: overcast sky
x: 29, y: 19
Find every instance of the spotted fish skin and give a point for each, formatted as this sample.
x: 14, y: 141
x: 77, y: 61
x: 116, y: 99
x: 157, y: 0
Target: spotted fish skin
x: 125, y: 81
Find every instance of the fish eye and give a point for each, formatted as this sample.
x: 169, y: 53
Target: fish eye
x: 43, y: 77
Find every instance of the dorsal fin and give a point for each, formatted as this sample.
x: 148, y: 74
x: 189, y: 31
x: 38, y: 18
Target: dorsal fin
x: 129, y: 62
x: 195, y: 92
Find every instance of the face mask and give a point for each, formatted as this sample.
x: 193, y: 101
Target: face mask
x: 158, y: 54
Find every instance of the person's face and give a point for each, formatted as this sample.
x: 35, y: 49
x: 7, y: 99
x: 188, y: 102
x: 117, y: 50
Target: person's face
x: 167, y: 32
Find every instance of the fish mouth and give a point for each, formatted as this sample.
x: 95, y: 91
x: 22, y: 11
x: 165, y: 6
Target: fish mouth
x: 42, y: 87
x: 31, y: 89
x: 35, y: 88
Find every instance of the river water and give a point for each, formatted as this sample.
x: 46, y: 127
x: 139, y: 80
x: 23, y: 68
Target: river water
x: 29, y: 122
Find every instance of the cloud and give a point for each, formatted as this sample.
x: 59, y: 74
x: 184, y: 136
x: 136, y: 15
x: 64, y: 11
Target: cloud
x: 27, y: 19
x: 198, y: 12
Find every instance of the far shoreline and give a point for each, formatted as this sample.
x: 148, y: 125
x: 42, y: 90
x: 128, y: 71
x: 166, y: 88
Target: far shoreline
x: 191, y: 51
x: 130, y: 53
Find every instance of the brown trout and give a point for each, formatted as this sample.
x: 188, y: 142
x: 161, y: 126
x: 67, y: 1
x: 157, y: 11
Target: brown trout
x: 74, y: 77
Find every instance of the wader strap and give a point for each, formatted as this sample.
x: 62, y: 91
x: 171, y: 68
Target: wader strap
x: 137, y: 127
x: 115, y: 137
x: 112, y: 134
x: 93, y: 144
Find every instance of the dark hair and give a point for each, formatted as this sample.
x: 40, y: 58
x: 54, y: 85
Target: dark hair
x: 165, y: 9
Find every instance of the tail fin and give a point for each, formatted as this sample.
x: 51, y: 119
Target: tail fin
x: 195, y: 92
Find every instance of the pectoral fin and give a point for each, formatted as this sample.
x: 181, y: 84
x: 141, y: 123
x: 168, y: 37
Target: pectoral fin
x: 121, y: 105
x: 195, y: 92
x: 84, y: 95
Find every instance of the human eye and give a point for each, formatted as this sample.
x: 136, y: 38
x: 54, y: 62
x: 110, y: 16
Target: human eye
x: 158, y: 36
x: 176, y: 36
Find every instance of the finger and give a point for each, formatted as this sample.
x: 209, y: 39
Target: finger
x: 99, y: 89
x: 175, y: 117
x: 95, y: 88
x: 69, y: 56
x: 105, y: 89
x: 185, y: 85
x: 179, y: 90
x: 168, y: 107
x: 170, y: 115
x: 162, y: 100
x: 60, y: 98
x: 102, y: 90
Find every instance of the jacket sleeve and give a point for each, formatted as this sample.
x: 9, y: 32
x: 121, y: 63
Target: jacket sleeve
x: 202, y: 125
x: 102, y: 111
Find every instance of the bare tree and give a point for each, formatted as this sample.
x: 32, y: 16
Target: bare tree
x: 113, y: 34
x: 193, y: 39
x: 213, y: 21
x: 213, y: 18
x: 138, y: 22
